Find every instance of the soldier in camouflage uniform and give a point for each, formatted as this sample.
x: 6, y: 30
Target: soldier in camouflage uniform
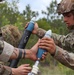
x: 12, y: 35
x: 63, y: 51
x: 7, y: 51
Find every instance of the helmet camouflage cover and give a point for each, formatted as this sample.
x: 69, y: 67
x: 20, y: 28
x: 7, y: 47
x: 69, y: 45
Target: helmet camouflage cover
x: 11, y: 34
x: 65, y: 6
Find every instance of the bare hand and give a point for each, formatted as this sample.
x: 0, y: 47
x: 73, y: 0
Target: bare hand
x: 34, y: 50
x: 44, y: 55
x: 35, y: 28
x: 21, y: 70
x: 48, y: 44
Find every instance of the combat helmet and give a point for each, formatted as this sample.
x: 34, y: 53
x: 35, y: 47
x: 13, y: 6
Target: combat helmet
x: 11, y: 34
x: 65, y: 6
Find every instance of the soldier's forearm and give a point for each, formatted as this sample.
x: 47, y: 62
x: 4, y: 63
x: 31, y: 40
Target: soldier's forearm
x: 57, y: 38
x: 17, y: 53
x: 40, y: 32
x: 25, y: 53
x: 64, y: 57
x: 8, y: 51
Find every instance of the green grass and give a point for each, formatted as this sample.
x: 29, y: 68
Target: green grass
x: 51, y: 70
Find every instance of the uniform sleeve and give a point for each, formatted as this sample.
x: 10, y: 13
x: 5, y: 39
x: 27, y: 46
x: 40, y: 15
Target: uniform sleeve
x: 65, y: 42
x: 4, y: 70
x: 64, y: 57
x: 59, y: 39
x: 6, y: 51
x: 40, y: 32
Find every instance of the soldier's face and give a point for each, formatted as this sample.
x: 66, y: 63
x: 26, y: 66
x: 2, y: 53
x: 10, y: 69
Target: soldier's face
x: 68, y: 19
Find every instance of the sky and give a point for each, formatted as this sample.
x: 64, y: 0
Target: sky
x: 36, y: 5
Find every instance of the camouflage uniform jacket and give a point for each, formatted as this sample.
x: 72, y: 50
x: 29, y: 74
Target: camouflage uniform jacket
x: 64, y: 50
x: 4, y: 70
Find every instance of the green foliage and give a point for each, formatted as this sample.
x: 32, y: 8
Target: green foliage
x: 9, y: 14
x: 28, y: 13
x: 65, y: 70
x: 19, y: 23
x: 70, y: 72
x: 58, y: 26
x: 51, y: 13
x: 43, y: 24
x: 5, y: 21
x: 26, y: 61
x: 32, y: 41
x: 55, y: 70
